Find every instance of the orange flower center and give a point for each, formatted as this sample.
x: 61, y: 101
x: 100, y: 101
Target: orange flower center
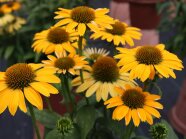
x: 58, y: 35
x: 64, y: 63
x: 83, y: 14
x: 149, y: 55
x: 19, y: 76
x: 118, y: 29
x: 133, y: 98
x: 105, y: 69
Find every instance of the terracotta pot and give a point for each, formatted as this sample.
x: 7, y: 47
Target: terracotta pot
x: 143, y: 14
x: 178, y: 112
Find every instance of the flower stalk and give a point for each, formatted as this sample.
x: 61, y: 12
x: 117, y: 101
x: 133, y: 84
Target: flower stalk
x: 34, y: 120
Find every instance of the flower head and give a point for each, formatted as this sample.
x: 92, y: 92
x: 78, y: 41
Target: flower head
x: 82, y: 17
x: 10, y: 7
x: 5, y: 19
x: 64, y: 63
x: 145, y: 62
x: 14, y: 25
x: 28, y: 81
x: 102, y: 78
x: 134, y: 104
x: 158, y: 131
x: 121, y: 33
x: 54, y: 39
x: 94, y: 53
x: 65, y: 125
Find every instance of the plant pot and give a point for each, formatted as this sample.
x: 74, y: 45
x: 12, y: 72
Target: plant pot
x: 143, y: 14
x: 178, y: 112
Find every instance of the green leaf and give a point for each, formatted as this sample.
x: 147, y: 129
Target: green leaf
x: 46, y: 117
x: 54, y: 134
x: 171, y: 133
x: 85, y: 119
x: 8, y: 52
x: 74, y: 135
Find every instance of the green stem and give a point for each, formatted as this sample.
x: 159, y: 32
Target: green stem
x: 34, y: 120
x: 80, y: 46
x: 68, y: 91
x: 63, y: 93
x: 48, y: 104
x: 128, y: 131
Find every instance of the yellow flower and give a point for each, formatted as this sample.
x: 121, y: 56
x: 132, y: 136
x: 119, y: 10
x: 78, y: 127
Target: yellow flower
x: 144, y: 62
x: 82, y: 17
x: 121, y: 33
x: 54, y: 39
x: 28, y: 81
x: 10, y: 7
x: 102, y: 79
x: 5, y: 19
x: 15, y: 25
x: 65, y: 63
x: 94, y: 53
x: 134, y: 104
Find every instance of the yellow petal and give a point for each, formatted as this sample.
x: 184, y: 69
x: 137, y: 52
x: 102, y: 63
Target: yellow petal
x: 141, y: 114
x: 35, y: 66
x: 4, y: 99
x: 120, y: 112
x: 33, y: 97
x: 128, y: 117
x: 71, y: 26
x: 85, y: 85
x: 92, y: 89
x: 22, y: 104
x: 104, y: 91
x: 47, y: 78
x: 3, y: 86
x: 135, y: 117
x: 14, y: 101
x: 2, y: 75
x: 63, y: 22
x: 38, y: 86
x: 154, y: 104
x: 81, y: 29
x: 152, y: 111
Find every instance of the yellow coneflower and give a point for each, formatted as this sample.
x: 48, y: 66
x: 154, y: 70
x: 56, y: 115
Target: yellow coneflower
x: 102, y: 78
x: 82, y: 17
x: 144, y: 62
x: 64, y: 63
x: 5, y: 19
x: 121, y: 33
x: 15, y: 25
x: 28, y: 81
x: 134, y: 104
x: 10, y: 7
x: 95, y: 53
x: 54, y: 39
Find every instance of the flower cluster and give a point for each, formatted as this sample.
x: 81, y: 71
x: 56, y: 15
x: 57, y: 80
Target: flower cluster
x: 111, y: 81
x: 9, y: 23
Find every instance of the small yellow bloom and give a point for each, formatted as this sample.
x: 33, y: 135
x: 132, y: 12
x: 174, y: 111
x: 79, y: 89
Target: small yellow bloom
x: 121, y: 33
x: 28, y: 81
x: 144, y: 62
x: 134, y: 104
x: 15, y: 25
x: 102, y: 78
x: 82, y: 17
x: 94, y: 53
x: 64, y: 63
x: 55, y: 39
x: 10, y: 7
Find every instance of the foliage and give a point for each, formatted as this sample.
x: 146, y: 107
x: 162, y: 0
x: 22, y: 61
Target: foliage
x: 173, y: 20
